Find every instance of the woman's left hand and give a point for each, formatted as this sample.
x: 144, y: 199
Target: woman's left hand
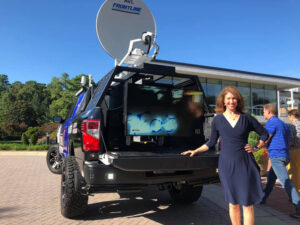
x: 249, y: 149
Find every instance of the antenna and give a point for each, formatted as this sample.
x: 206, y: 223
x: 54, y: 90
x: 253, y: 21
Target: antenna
x: 90, y: 80
x: 127, y: 31
x: 83, y: 81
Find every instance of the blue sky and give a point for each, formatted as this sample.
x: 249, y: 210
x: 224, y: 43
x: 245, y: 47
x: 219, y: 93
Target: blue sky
x: 40, y: 39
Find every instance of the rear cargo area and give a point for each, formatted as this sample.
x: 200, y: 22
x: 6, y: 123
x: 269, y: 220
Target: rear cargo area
x: 154, y: 116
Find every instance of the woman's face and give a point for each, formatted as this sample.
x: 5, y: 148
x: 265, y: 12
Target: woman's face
x: 230, y: 101
x: 291, y: 118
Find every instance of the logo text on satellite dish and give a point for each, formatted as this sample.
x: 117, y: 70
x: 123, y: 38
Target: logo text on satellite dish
x: 127, y: 8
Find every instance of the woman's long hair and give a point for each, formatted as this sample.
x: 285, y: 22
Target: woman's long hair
x: 220, y: 107
x: 295, y: 113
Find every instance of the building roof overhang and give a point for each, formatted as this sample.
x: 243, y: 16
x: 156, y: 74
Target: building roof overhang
x: 237, y: 75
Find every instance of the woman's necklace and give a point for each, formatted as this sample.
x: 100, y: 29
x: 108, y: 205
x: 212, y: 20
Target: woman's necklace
x: 232, y: 116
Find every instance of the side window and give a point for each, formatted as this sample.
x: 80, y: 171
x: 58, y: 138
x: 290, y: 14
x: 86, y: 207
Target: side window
x: 85, y: 100
x: 115, y: 99
x: 69, y: 115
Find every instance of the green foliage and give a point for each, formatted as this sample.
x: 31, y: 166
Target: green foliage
x: 62, y: 91
x: 1, y: 134
x: 34, y: 138
x: 31, y: 131
x: 253, y: 135
x: 34, y: 104
x: 23, y: 147
x: 53, y: 135
x: 31, y: 134
x: 61, y: 106
x: 25, y: 103
x: 24, y: 139
x: 261, y: 156
x: 253, y: 138
x: 13, y: 129
x: 4, y: 83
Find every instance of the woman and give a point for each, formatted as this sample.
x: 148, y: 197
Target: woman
x: 238, y: 171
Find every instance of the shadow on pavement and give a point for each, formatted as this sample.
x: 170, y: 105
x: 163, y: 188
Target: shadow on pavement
x: 8, y: 212
x: 156, y: 206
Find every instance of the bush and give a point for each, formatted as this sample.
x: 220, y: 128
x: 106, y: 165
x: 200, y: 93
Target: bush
x: 24, y: 139
x: 31, y: 131
x: 49, y: 128
x: 31, y: 134
x: 23, y: 147
x: 34, y: 138
x: 53, y: 135
x: 261, y: 156
x: 12, y: 129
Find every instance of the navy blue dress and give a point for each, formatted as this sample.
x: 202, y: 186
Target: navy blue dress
x: 238, y: 171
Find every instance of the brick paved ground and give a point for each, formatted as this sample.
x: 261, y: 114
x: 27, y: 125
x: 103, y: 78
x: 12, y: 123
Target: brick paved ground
x: 29, y: 194
x: 279, y: 200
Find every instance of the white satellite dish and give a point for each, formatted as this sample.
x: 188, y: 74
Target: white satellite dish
x: 121, y: 21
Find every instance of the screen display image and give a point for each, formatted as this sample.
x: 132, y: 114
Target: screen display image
x: 161, y: 111
x: 151, y: 123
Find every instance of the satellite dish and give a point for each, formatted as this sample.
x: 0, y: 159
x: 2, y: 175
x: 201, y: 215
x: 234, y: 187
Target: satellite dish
x: 120, y: 21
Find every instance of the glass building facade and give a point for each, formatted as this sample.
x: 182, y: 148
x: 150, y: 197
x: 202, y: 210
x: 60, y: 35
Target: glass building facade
x: 255, y: 95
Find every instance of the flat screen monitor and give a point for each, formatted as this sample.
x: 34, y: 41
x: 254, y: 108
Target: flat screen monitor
x: 162, y: 111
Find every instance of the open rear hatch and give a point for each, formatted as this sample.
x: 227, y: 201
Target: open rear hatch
x: 150, y: 116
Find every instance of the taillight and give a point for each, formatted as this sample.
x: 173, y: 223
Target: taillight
x: 90, y: 134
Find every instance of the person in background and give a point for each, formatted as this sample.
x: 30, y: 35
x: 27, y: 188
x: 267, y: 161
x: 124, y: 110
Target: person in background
x: 238, y: 171
x: 294, y: 117
x: 196, y: 110
x: 294, y: 165
x: 279, y: 155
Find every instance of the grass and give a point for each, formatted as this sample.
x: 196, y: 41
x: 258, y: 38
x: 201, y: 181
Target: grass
x: 10, y: 142
x: 20, y: 146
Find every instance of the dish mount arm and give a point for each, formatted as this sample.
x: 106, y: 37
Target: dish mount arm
x: 136, y: 56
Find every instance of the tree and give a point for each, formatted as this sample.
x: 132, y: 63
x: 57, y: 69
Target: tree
x: 25, y: 103
x: 39, y: 98
x: 62, y: 91
x: 4, y: 83
x: 33, y: 103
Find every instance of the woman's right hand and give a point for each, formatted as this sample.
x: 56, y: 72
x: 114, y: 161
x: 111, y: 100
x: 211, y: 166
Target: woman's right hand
x: 190, y: 152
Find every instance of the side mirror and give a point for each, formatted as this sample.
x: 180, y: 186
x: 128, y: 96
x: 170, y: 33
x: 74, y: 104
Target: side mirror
x: 57, y: 119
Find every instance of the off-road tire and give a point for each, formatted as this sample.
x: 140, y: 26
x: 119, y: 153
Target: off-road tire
x: 54, y: 160
x: 73, y: 201
x: 186, y: 194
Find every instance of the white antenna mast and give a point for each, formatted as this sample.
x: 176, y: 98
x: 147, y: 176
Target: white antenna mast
x: 90, y: 80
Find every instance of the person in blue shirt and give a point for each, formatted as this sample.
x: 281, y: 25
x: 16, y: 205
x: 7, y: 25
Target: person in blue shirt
x: 279, y: 155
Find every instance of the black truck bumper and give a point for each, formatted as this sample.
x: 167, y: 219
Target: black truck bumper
x: 139, y: 171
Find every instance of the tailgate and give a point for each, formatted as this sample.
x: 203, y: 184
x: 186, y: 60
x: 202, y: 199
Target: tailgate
x: 165, y: 162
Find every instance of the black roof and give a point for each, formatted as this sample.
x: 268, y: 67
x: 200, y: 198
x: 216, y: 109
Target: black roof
x: 224, y: 69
